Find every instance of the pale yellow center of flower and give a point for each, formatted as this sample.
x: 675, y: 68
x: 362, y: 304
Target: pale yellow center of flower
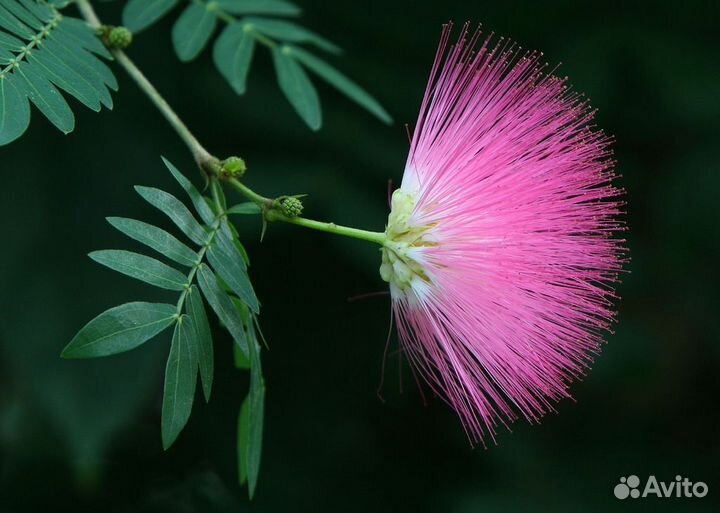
x: 399, y: 268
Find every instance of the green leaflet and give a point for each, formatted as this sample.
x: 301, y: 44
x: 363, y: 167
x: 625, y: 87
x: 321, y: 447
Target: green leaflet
x: 93, y: 71
x: 229, y: 264
x: 192, y: 31
x: 273, y: 7
x: 241, y: 360
x: 38, y: 9
x: 83, y: 36
x: 180, y: 380
x: 217, y: 189
x: 65, y: 77
x: 176, y: 211
x: 342, y: 83
x: 7, y: 44
x: 250, y: 419
x: 223, y: 306
x: 140, y: 14
x: 67, y: 45
x: 232, y: 273
x: 23, y: 14
x: 41, y: 50
x: 203, y: 339
x: 289, y: 31
x: 13, y: 25
x: 141, y: 267
x: 14, y: 109
x: 155, y: 238
x: 120, y: 329
x: 250, y: 424
x: 202, y: 208
x: 46, y: 98
x: 245, y: 209
x: 243, y: 440
x: 298, y: 89
x: 226, y: 240
x: 233, y: 53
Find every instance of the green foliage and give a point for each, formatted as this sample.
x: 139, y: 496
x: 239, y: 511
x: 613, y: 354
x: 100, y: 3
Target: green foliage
x: 180, y: 380
x: 229, y: 264
x: 219, y: 265
x: 206, y: 358
x: 140, y: 14
x: 233, y: 53
x: 233, y: 50
x: 141, y: 267
x: 247, y: 208
x: 297, y: 87
x: 272, y: 7
x: 155, y: 238
x: 42, y: 50
x: 120, y: 329
x: 176, y: 211
x: 250, y: 419
x: 339, y: 81
x: 223, y: 306
x: 192, y: 31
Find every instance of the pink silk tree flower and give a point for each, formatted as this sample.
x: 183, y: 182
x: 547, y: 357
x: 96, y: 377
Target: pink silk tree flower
x: 502, y: 249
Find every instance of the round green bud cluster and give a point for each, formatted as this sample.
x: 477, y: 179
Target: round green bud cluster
x: 291, y: 206
x: 119, y: 38
x: 234, y: 166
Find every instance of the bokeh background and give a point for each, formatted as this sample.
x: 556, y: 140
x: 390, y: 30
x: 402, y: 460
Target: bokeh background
x: 85, y: 435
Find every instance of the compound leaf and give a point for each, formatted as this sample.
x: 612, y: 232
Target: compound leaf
x: 41, y: 50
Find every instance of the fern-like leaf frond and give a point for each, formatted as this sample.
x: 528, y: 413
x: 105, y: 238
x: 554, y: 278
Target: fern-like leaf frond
x: 42, y: 50
x: 245, y: 24
x: 215, y: 274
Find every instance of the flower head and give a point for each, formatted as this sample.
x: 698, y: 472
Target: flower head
x: 501, y: 248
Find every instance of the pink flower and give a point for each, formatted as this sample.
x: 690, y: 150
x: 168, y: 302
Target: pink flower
x: 501, y: 248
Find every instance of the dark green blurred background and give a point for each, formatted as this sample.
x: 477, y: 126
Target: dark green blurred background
x: 85, y: 435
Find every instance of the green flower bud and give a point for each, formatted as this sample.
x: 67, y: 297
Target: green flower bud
x: 119, y: 38
x: 291, y: 206
x: 234, y: 166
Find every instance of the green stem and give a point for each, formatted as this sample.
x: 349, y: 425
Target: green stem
x: 272, y: 214
x: 262, y: 201
x: 345, y: 231
x: 200, y: 154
